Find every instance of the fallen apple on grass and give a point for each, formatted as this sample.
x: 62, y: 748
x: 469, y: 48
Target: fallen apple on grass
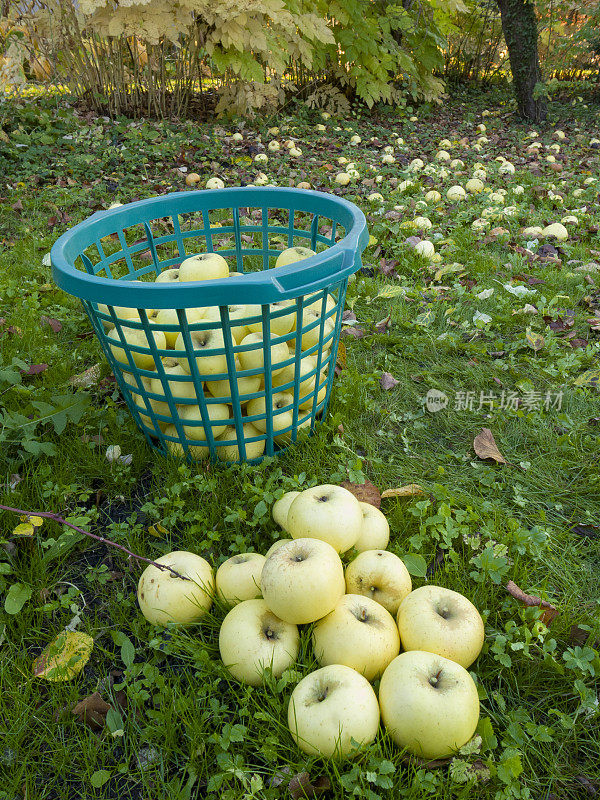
x: 359, y: 633
x: 380, y: 575
x: 326, y: 512
x: 253, y: 639
x: 164, y: 598
x: 238, y: 578
x: 429, y: 704
x: 329, y: 709
x: 303, y: 580
x: 375, y: 529
x: 441, y: 621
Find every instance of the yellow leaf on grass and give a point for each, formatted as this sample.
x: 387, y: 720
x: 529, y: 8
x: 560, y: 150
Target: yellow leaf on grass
x: 65, y: 656
x: 589, y: 378
x: 410, y: 490
x: 535, y: 340
x: 372, y: 240
x: 341, y: 355
x: 28, y: 526
x: 485, y: 446
x: 157, y: 530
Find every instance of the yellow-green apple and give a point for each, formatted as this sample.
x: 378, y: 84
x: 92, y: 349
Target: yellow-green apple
x: 306, y: 388
x: 331, y: 709
x: 204, y: 342
x: 380, y: 575
x: 122, y: 313
x: 181, y: 390
x: 276, y: 545
x: 169, y: 316
x: 375, y: 530
x: 238, y: 578
x: 165, y: 598
x: 317, y: 305
x: 359, y: 633
x: 246, y: 385
x: 303, y: 580
x: 217, y: 413
x: 326, y: 512
x: 203, y: 267
x: 254, y: 358
x: 236, y: 313
x: 282, y: 410
x: 136, y: 337
x: 198, y: 452
x: 293, y: 254
x: 441, y: 621
x: 168, y: 276
x: 253, y: 639
x: 281, y: 507
x: 429, y: 704
x: 312, y: 335
x: 231, y: 451
x: 280, y: 325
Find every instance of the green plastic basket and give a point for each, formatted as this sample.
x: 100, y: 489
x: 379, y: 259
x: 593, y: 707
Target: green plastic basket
x: 263, y: 391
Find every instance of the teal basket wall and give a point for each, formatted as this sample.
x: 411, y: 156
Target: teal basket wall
x: 196, y: 381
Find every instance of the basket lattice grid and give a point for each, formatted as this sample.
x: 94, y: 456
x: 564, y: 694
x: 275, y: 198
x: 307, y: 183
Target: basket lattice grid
x: 232, y: 368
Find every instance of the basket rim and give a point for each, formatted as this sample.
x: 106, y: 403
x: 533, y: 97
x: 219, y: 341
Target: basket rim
x: 267, y: 286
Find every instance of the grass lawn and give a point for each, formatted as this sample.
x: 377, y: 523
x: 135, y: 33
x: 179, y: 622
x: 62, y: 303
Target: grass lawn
x: 505, y: 325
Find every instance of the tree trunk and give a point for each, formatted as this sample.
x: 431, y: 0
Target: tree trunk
x: 520, y: 33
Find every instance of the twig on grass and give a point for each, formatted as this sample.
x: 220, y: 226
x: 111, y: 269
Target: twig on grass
x: 61, y: 521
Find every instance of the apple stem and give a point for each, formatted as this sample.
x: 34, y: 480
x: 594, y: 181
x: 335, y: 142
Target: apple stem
x: 61, y: 521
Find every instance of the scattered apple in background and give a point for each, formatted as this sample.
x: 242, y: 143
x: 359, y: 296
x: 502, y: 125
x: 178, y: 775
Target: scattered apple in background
x: 252, y: 639
x: 326, y: 512
x: 358, y: 633
x: 375, y: 529
x: 165, y: 598
x: 238, y: 578
x: 303, y: 580
x: 281, y: 507
x: 441, y: 621
x: 429, y: 704
x: 331, y: 707
x: 203, y: 267
x: 215, y: 183
x: 380, y: 575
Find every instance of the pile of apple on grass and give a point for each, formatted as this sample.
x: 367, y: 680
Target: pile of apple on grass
x: 208, y: 344
x: 362, y: 617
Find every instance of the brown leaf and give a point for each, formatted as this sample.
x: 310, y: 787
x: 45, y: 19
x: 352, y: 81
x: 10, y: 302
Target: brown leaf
x: 592, y: 787
x: 410, y: 490
x: 387, y: 381
x: 34, y: 369
x: 366, y: 492
x: 578, y: 636
x: 587, y: 531
x: 302, y: 786
x: 384, y: 324
x: 356, y: 333
x: 532, y: 600
x: 92, y: 710
x: 53, y: 323
x: 485, y: 446
x: 18, y: 206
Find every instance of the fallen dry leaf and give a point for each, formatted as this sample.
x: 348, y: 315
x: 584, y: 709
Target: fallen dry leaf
x: 87, y: 379
x: 410, y: 490
x: 92, y: 710
x: 55, y: 324
x: 301, y: 785
x: 535, y: 340
x: 532, y: 600
x: 366, y: 492
x: 353, y: 331
x: 387, y: 381
x: 34, y: 369
x: 485, y: 446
